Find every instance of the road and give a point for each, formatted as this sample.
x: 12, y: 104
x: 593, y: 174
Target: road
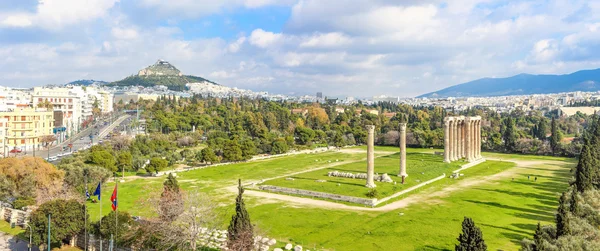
x: 8, y: 242
x: 82, y: 139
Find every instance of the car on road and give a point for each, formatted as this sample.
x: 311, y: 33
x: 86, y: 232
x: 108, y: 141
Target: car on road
x: 16, y: 150
x: 81, y: 138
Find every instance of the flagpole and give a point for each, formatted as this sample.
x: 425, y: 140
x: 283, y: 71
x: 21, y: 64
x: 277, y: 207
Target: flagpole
x: 100, y: 202
x: 85, y: 213
x: 116, y: 209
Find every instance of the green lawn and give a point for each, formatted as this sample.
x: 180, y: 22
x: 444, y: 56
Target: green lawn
x: 420, y: 167
x: 5, y: 227
x: 507, y: 210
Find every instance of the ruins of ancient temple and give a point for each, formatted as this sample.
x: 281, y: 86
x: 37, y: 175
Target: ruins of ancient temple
x: 462, y: 138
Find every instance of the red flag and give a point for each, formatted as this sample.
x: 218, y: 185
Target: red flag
x: 113, y: 198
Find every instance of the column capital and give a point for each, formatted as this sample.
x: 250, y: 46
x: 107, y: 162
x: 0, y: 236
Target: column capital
x: 402, y: 126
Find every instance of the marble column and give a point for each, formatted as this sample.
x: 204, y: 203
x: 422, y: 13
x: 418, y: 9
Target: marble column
x: 402, y: 172
x: 447, y: 140
x: 479, y: 139
x: 460, y: 138
x: 455, y: 143
x: 451, y: 143
x: 370, y: 156
x: 464, y: 140
x: 468, y: 137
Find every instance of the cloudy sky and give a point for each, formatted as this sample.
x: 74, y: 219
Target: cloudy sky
x: 340, y: 47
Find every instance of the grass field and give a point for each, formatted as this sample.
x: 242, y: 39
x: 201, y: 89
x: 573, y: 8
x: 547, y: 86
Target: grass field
x: 423, y: 167
x: 507, y: 210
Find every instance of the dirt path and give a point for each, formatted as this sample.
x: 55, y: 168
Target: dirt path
x: 419, y: 197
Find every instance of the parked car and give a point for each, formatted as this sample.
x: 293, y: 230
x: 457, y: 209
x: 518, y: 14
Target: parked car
x: 16, y: 150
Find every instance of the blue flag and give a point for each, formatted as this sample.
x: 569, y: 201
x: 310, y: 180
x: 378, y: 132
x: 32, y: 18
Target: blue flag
x: 97, y: 192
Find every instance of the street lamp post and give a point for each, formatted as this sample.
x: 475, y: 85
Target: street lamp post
x: 30, y: 233
x: 48, y: 232
x: 34, y: 143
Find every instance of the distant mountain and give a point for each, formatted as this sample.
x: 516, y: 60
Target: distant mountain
x: 523, y: 84
x: 87, y: 82
x: 161, y: 73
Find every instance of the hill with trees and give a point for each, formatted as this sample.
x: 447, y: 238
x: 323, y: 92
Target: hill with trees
x: 160, y: 73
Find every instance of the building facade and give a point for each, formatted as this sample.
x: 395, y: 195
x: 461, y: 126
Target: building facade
x: 23, y: 128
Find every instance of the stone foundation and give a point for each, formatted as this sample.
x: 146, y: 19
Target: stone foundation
x: 367, y: 202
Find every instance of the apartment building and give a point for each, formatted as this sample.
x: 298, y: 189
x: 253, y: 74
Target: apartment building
x: 71, y: 102
x: 23, y: 128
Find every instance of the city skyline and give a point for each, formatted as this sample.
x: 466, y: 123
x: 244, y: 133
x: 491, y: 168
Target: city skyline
x: 298, y: 47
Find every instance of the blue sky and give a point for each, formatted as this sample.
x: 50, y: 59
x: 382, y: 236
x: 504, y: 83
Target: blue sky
x: 340, y: 47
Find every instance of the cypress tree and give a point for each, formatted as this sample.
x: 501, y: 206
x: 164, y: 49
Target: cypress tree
x: 541, y: 129
x: 171, y: 184
x: 583, y: 171
x: 509, y: 136
x: 239, y: 233
x: 538, y: 238
x: 171, y: 200
x: 575, y: 206
x: 562, y: 217
x: 471, y: 238
x: 556, y: 136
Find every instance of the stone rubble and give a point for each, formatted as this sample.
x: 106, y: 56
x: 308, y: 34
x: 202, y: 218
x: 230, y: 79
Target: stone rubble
x: 363, y: 176
x: 217, y: 239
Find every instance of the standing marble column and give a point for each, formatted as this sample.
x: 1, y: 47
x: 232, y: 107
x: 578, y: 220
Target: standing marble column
x: 460, y: 138
x: 464, y: 138
x: 447, y: 140
x: 468, y: 137
x: 455, y: 143
x: 402, y: 172
x: 479, y: 139
x: 370, y: 156
x: 451, y: 143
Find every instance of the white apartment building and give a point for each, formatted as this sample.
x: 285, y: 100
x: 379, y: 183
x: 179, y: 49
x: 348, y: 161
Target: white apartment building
x: 11, y: 98
x: 71, y: 102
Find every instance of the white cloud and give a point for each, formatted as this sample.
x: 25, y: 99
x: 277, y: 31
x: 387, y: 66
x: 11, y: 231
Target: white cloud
x: 55, y: 14
x: 17, y: 20
x: 263, y: 39
x: 544, y: 50
x: 235, y: 46
x: 326, y: 40
x: 124, y: 33
x: 199, y: 8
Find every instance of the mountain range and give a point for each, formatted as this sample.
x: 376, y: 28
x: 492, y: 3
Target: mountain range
x: 523, y: 84
x: 161, y: 73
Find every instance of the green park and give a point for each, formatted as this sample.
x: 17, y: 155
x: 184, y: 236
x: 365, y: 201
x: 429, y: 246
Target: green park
x: 500, y: 194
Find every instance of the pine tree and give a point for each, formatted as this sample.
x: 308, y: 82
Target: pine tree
x: 562, y: 217
x: 584, y: 170
x: 556, y: 136
x: 239, y: 233
x: 471, y: 238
